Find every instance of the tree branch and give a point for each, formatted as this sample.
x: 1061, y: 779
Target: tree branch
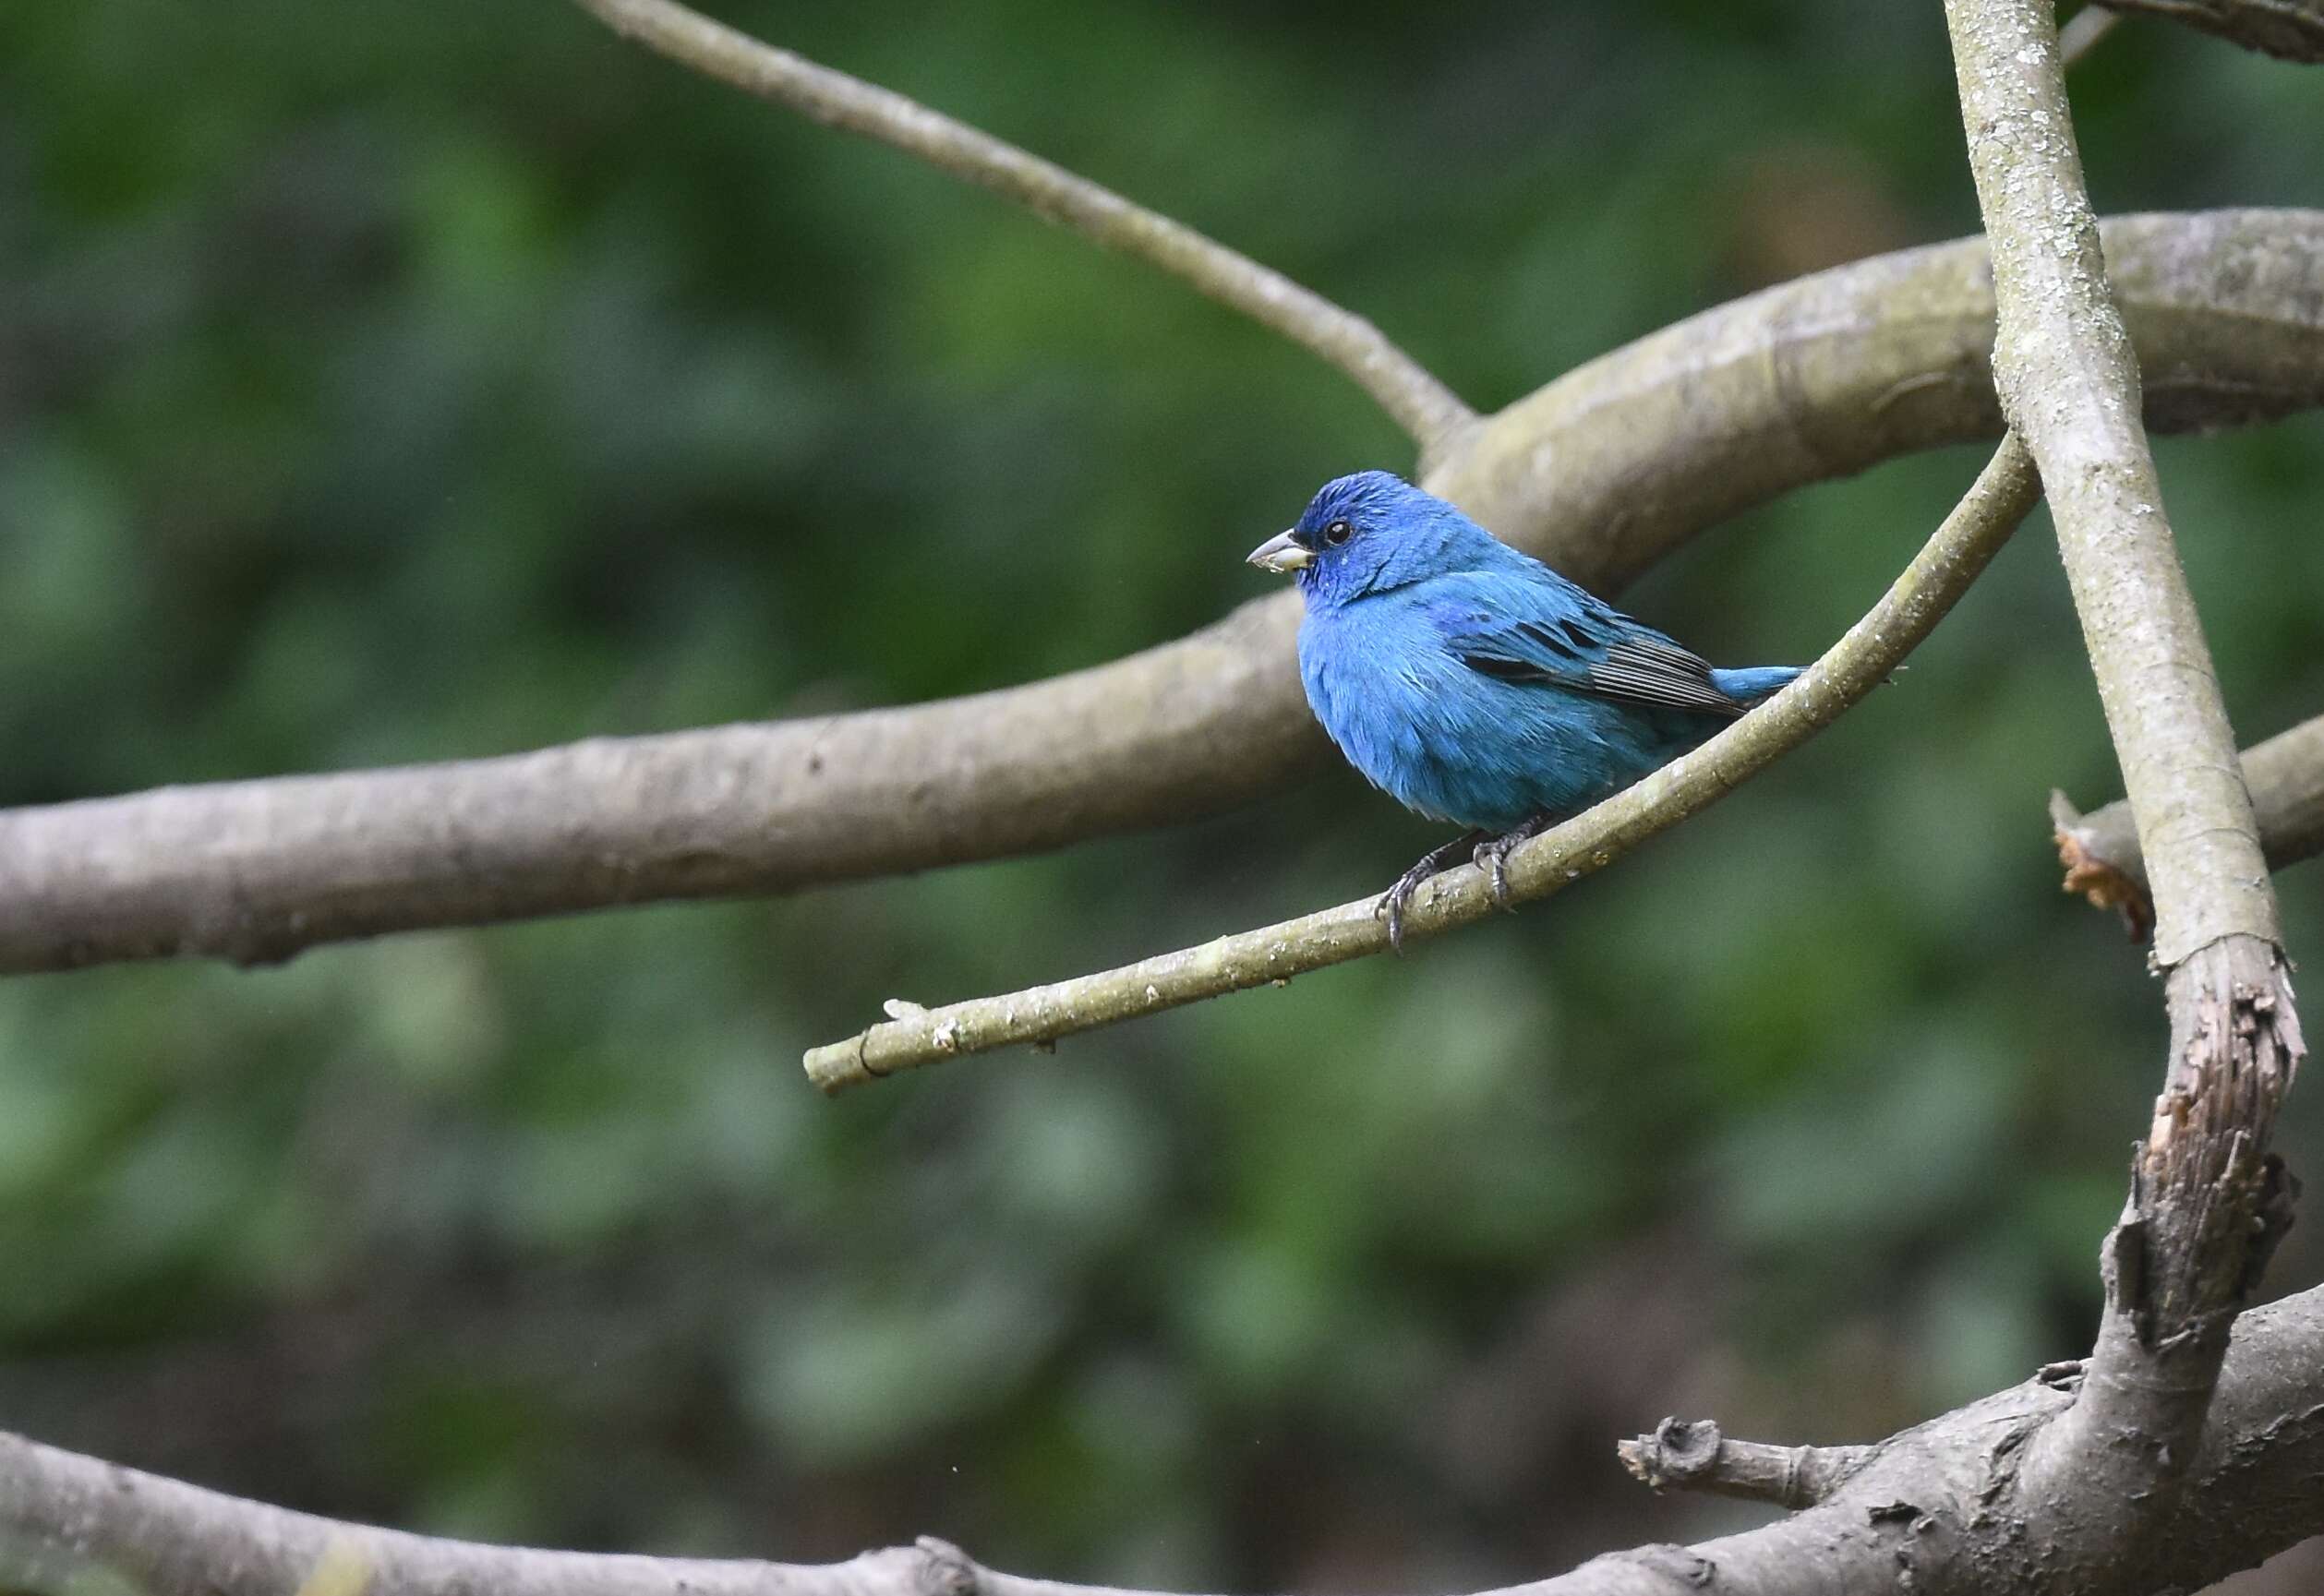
x: 1677, y: 1455
x: 1858, y: 662
x: 2285, y: 778
x: 1931, y: 1508
x: 1423, y: 406
x: 2291, y: 28
x: 2207, y: 1202
x: 1602, y: 471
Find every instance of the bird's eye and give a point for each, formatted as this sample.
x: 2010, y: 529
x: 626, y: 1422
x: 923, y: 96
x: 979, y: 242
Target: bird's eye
x: 1338, y: 532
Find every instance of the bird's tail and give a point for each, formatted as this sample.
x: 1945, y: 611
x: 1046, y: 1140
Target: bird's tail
x: 1753, y: 683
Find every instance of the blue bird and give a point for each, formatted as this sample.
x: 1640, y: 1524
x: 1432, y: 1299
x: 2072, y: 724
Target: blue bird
x: 1474, y: 684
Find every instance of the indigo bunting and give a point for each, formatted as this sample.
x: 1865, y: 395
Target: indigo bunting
x: 1475, y: 684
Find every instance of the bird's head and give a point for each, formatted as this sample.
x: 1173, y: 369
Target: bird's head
x: 1372, y: 532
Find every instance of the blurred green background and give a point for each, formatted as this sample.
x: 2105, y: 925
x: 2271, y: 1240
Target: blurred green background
x: 394, y: 382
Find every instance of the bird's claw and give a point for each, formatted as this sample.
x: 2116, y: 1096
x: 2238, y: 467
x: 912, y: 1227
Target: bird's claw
x: 1488, y: 851
x: 1392, y: 907
x: 1492, y: 859
x: 1393, y: 902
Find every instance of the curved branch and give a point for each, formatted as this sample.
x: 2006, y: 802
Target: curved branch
x: 2285, y: 778
x: 1423, y: 406
x: 1602, y: 471
x: 1861, y: 661
x: 2208, y: 1202
x: 1928, y: 1502
x: 2291, y: 28
x: 256, y: 872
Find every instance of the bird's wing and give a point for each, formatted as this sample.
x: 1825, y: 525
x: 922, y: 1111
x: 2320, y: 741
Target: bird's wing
x: 1562, y: 636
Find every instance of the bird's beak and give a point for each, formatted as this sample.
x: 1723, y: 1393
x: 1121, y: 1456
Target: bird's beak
x: 1282, y: 554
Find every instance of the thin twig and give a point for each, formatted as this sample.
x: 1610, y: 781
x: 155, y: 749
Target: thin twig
x: 1859, y: 661
x: 1430, y: 411
x: 2079, y: 37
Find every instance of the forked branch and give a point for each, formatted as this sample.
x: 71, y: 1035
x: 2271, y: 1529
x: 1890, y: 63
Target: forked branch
x: 2207, y: 1202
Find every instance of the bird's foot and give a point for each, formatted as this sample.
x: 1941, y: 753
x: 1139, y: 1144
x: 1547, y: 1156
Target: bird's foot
x: 1435, y: 862
x: 1492, y: 857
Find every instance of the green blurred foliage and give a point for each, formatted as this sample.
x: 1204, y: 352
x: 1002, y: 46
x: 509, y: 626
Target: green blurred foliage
x: 390, y: 383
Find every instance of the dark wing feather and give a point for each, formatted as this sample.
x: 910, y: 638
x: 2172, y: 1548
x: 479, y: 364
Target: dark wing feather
x: 1646, y: 668
x: 1556, y: 652
x: 1594, y: 650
